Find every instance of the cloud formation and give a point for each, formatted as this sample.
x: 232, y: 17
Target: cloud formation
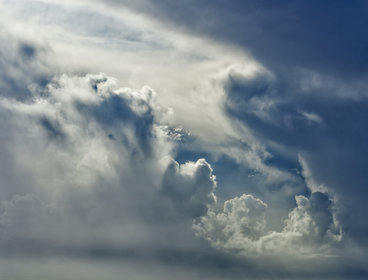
x: 96, y: 165
x: 310, y: 229
x: 91, y: 141
x: 190, y: 186
x: 199, y: 174
x: 104, y: 169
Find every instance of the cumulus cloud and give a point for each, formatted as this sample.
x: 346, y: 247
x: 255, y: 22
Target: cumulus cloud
x: 72, y: 191
x: 313, y: 217
x: 235, y: 228
x: 310, y: 229
x: 84, y: 154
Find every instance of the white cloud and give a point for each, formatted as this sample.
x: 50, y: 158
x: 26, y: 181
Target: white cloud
x: 167, y: 62
x: 312, y: 117
x: 237, y: 227
x: 310, y: 229
x: 174, y: 58
x: 85, y: 149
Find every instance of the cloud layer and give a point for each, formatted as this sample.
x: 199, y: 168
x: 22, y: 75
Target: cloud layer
x: 210, y: 172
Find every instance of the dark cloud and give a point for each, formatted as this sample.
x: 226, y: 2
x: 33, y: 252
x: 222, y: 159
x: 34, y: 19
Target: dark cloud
x: 117, y: 110
x: 328, y: 130
x: 320, y: 212
x: 190, y: 186
x: 90, y: 195
x: 326, y: 36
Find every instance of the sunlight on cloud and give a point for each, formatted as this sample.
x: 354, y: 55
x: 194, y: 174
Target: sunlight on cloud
x: 121, y: 138
x: 310, y: 229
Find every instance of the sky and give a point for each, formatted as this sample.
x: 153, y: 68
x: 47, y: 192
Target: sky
x: 205, y: 139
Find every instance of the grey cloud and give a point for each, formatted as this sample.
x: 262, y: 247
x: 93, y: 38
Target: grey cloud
x: 53, y: 128
x: 314, y: 218
x: 96, y: 172
x: 113, y: 200
x: 322, y: 119
x: 66, y: 174
x: 255, y: 95
x: 190, y: 187
x: 127, y: 108
x: 19, y: 216
x: 20, y: 66
x: 316, y: 53
x: 87, y: 171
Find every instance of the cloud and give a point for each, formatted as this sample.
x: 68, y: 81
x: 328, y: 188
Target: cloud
x: 97, y: 147
x: 251, y: 94
x: 21, y: 64
x: 99, y: 174
x: 292, y: 116
x: 279, y: 34
x: 190, y: 187
x: 312, y: 117
x: 310, y: 229
x: 131, y: 48
x: 241, y: 221
x: 19, y: 217
x: 92, y: 170
x: 197, y: 103
x: 313, y: 217
x: 104, y: 169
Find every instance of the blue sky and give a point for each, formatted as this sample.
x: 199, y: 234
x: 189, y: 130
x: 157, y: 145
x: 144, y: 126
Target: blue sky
x: 188, y: 139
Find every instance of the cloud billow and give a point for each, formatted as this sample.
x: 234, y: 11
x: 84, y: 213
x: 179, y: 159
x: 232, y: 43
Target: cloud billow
x: 311, y: 228
x: 99, y: 168
x: 84, y: 161
x: 103, y: 158
x: 241, y: 228
x: 203, y: 179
